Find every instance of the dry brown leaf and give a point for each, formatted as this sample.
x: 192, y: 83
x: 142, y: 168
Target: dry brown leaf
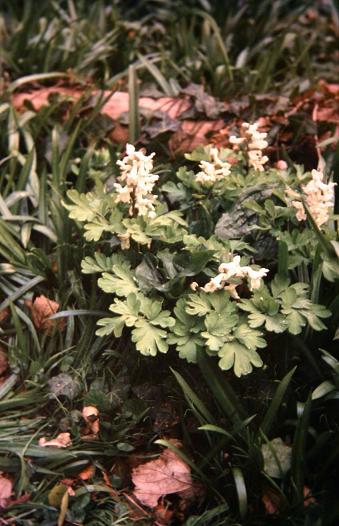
x: 42, y: 308
x: 271, y: 506
x: 6, y: 488
x: 87, y: 473
x: 163, y: 476
x: 163, y: 515
x: 3, y: 315
x: 91, y: 416
x: 308, y: 497
x: 62, y: 440
x: 3, y: 361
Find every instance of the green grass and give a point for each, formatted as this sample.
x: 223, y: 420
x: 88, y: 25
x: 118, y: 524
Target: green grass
x: 238, y: 48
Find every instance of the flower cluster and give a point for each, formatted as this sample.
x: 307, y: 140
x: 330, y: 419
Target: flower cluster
x: 213, y: 171
x: 135, y: 170
x: 254, y: 142
x: 318, y: 197
x: 230, y: 271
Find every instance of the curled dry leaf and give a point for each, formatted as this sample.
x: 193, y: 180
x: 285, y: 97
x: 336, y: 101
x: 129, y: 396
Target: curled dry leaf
x: 6, y: 487
x: 165, y: 475
x: 62, y: 440
x: 91, y: 416
x: 42, y: 308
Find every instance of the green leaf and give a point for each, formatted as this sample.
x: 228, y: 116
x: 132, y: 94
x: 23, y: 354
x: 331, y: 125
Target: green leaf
x: 147, y: 275
x: 101, y: 263
x: 85, y: 205
x: 241, y: 491
x: 314, y: 321
x: 148, y: 338
x: 279, y: 284
x: 249, y: 337
x: 217, y: 327
x: 198, y: 304
x: 295, y: 322
x: 276, y: 402
x: 109, y: 326
x: 197, y: 406
x: 94, y: 230
x: 136, y: 229
x: 120, y: 283
x: 298, y: 449
x: 288, y: 297
x: 228, y: 400
x: 323, y: 389
x: 127, y: 309
x: 275, y: 323
x: 185, y: 333
x: 242, y: 360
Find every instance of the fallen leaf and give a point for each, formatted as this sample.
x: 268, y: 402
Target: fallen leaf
x: 277, y: 458
x: 163, y: 476
x: 271, y: 507
x: 3, y: 361
x: 64, y: 507
x: 42, y: 308
x: 6, y: 487
x: 162, y: 514
x: 91, y: 416
x: 87, y: 473
x: 56, y: 494
x: 308, y: 498
x: 62, y: 440
x: 64, y: 384
x: 4, y: 315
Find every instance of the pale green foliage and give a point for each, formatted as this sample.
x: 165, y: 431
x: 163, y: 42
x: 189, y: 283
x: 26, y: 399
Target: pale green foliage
x: 146, y: 317
x: 102, y: 215
x: 216, y: 323
x: 287, y: 308
x: 120, y: 282
x: 148, y: 276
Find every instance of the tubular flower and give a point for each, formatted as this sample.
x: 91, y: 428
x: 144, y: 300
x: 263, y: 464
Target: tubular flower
x: 213, y: 171
x: 254, y: 142
x: 138, y: 182
x: 230, y: 271
x: 318, y: 197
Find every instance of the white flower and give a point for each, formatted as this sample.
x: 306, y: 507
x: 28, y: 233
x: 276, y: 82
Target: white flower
x: 232, y: 268
x: 135, y: 170
x: 318, y: 197
x: 213, y: 171
x: 237, y: 140
x: 232, y: 289
x: 300, y: 210
x: 254, y: 143
x: 125, y: 241
x: 255, y: 276
x: 194, y: 286
x: 229, y: 271
x: 257, y: 160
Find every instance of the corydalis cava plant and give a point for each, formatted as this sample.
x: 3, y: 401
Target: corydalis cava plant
x: 138, y: 182
x: 253, y: 142
x: 318, y: 197
x: 174, y: 288
x: 130, y: 212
